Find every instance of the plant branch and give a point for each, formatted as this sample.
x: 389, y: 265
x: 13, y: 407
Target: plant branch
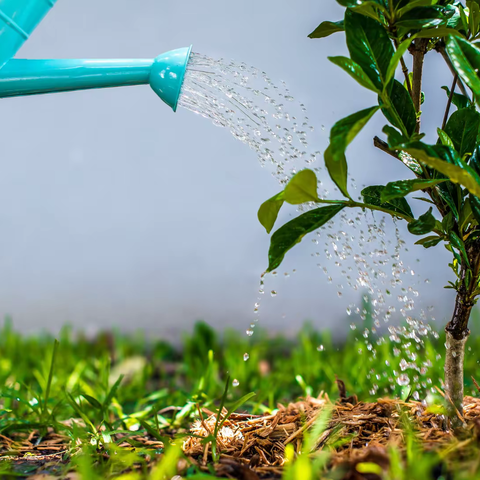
x: 419, y: 51
x: 404, y: 66
x: 449, y: 103
x: 378, y: 208
x: 383, y: 146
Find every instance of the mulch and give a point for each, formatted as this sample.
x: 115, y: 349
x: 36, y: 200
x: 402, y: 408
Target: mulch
x: 253, y: 446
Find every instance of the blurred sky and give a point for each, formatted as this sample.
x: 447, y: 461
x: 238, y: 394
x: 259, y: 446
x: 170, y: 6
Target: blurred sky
x: 116, y: 212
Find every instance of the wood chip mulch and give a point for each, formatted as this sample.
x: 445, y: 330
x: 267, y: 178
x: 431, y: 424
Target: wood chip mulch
x: 252, y: 447
x: 357, y: 432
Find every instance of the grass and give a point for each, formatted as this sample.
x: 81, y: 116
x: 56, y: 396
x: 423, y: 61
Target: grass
x: 131, y: 399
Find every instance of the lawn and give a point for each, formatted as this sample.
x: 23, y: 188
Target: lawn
x: 124, y: 406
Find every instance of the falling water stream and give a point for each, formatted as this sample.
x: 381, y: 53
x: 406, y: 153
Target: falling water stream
x: 264, y: 115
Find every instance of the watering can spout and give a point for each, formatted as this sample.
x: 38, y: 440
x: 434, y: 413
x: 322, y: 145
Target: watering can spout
x: 18, y: 19
x: 165, y: 75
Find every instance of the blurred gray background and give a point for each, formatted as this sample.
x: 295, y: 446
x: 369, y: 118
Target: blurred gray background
x: 116, y: 212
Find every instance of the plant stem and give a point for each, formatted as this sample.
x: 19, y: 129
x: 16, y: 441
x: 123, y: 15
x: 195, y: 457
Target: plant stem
x: 383, y: 146
x: 407, y: 77
x: 454, y: 359
x: 404, y: 66
x: 458, y: 332
x: 419, y: 51
x: 449, y: 103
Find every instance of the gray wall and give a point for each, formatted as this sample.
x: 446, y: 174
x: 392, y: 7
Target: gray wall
x: 116, y: 212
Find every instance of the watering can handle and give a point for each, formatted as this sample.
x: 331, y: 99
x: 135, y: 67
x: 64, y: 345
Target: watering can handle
x: 18, y: 19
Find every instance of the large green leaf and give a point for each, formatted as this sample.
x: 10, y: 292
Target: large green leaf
x: 326, y: 29
x: 462, y: 127
x: 473, y: 16
x: 369, y: 46
x: 401, y: 111
x: 438, y: 32
x: 445, y: 139
x: 301, y: 188
x: 403, y: 187
x: 446, y: 161
x: 268, y: 211
x: 405, y: 6
x: 459, y: 100
x: 292, y: 232
x: 465, y: 58
x: 355, y: 71
x: 423, y: 224
x: 373, y: 196
x: 341, y: 135
x: 475, y: 205
x: 423, y: 17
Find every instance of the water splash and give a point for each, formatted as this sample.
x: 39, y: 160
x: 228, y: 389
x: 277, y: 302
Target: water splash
x: 264, y: 116
x: 255, y: 110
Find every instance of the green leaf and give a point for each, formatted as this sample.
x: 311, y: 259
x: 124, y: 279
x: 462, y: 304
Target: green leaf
x: 301, y: 188
x: 92, y: 401
x: 430, y: 241
x: 438, y: 32
x: 373, y: 196
x: 465, y: 58
x: 293, y: 232
x: 355, y: 71
x: 457, y: 242
x: 448, y: 222
x: 473, y: 16
x: 401, y: 111
x: 459, y: 100
x: 341, y: 135
x: 446, y: 161
x: 326, y: 29
x: 403, y: 187
x: 423, y: 17
x: 337, y: 167
x: 394, y: 137
x: 369, y: 46
x: 475, y: 205
x: 392, y: 67
x: 268, y: 211
x: 423, y: 224
x: 445, y: 139
x: 408, y: 5
x: 462, y: 127
x: 113, y: 391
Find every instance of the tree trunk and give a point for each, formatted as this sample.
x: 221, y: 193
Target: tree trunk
x: 457, y: 334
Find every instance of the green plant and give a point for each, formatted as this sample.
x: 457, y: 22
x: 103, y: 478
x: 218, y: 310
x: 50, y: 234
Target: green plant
x: 379, y: 35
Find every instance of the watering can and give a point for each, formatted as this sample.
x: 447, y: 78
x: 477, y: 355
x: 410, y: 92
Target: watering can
x: 19, y: 18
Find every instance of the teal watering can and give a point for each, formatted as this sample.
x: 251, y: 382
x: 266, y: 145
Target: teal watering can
x: 19, y: 18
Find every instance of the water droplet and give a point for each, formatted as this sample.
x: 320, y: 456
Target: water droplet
x: 273, y: 293
x: 403, y: 379
x: 246, y: 356
x: 235, y: 383
x: 249, y: 332
x: 320, y: 348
